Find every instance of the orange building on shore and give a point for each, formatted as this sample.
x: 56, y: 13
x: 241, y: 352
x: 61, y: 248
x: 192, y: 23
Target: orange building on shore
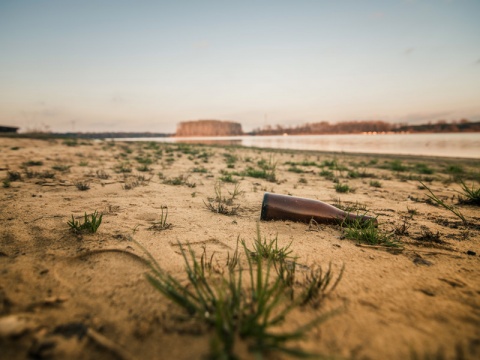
x: 209, y: 128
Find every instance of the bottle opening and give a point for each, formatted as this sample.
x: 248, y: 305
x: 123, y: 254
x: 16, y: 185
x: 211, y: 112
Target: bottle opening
x: 263, y: 214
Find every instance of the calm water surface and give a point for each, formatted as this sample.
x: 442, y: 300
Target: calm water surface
x: 463, y: 145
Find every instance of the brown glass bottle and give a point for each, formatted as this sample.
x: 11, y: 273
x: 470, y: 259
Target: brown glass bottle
x: 283, y: 207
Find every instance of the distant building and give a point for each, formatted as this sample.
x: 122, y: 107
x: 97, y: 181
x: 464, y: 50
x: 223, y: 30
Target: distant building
x: 209, y: 128
x: 8, y: 129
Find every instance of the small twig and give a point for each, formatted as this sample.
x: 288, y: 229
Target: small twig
x: 381, y: 247
x: 100, y: 251
x: 429, y: 252
x: 54, y: 184
x: 50, y: 301
x: 313, y: 226
x: 108, y: 344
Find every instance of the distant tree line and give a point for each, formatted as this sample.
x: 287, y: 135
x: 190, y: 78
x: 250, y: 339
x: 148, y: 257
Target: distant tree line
x: 370, y: 126
x: 112, y: 135
x: 463, y: 125
x: 316, y: 128
x: 81, y: 135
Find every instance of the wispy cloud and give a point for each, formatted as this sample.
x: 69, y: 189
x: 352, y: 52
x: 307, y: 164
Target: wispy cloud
x: 408, y: 51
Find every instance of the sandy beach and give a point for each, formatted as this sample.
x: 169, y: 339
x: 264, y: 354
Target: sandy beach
x: 68, y: 294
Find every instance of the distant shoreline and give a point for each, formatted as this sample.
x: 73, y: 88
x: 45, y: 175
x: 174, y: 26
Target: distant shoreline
x: 80, y: 135
x: 322, y: 128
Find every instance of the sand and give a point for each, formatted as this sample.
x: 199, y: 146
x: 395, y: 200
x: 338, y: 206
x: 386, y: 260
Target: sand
x: 85, y: 296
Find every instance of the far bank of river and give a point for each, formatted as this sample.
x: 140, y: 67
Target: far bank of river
x: 462, y: 145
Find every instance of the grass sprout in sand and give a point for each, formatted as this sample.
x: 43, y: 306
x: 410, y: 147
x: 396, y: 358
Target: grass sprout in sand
x: 91, y: 223
x: 319, y: 283
x: 367, y: 232
x: 179, y: 180
x: 162, y: 223
x: 440, y: 202
x: 269, y: 250
x: 14, y: 176
x: 241, y: 304
x: 82, y: 185
x: 472, y: 195
x: 343, y: 188
x: 267, y: 170
x: 221, y: 204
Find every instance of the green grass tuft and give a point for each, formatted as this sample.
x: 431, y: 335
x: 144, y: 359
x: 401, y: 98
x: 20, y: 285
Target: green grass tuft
x: 296, y: 169
x: 91, y: 223
x: 269, y: 249
x: 423, y: 169
x: 179, y: 180
x: 367, y: 232
x: 222, y: 205
x: 470, y: 196
x: 342, y: 188
x: 266, y: 170
x: 227, y: 177
x: 240, y: 305
x: 396, y: 165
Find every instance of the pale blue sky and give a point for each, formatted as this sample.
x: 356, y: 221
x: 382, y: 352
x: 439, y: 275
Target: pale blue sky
x: 114, y: 65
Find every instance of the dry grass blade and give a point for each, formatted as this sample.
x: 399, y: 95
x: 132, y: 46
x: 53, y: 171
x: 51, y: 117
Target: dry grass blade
x: 440, y: 202
x: 319, y: 283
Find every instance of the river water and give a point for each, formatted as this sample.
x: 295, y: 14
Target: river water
x: 461, y: 145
